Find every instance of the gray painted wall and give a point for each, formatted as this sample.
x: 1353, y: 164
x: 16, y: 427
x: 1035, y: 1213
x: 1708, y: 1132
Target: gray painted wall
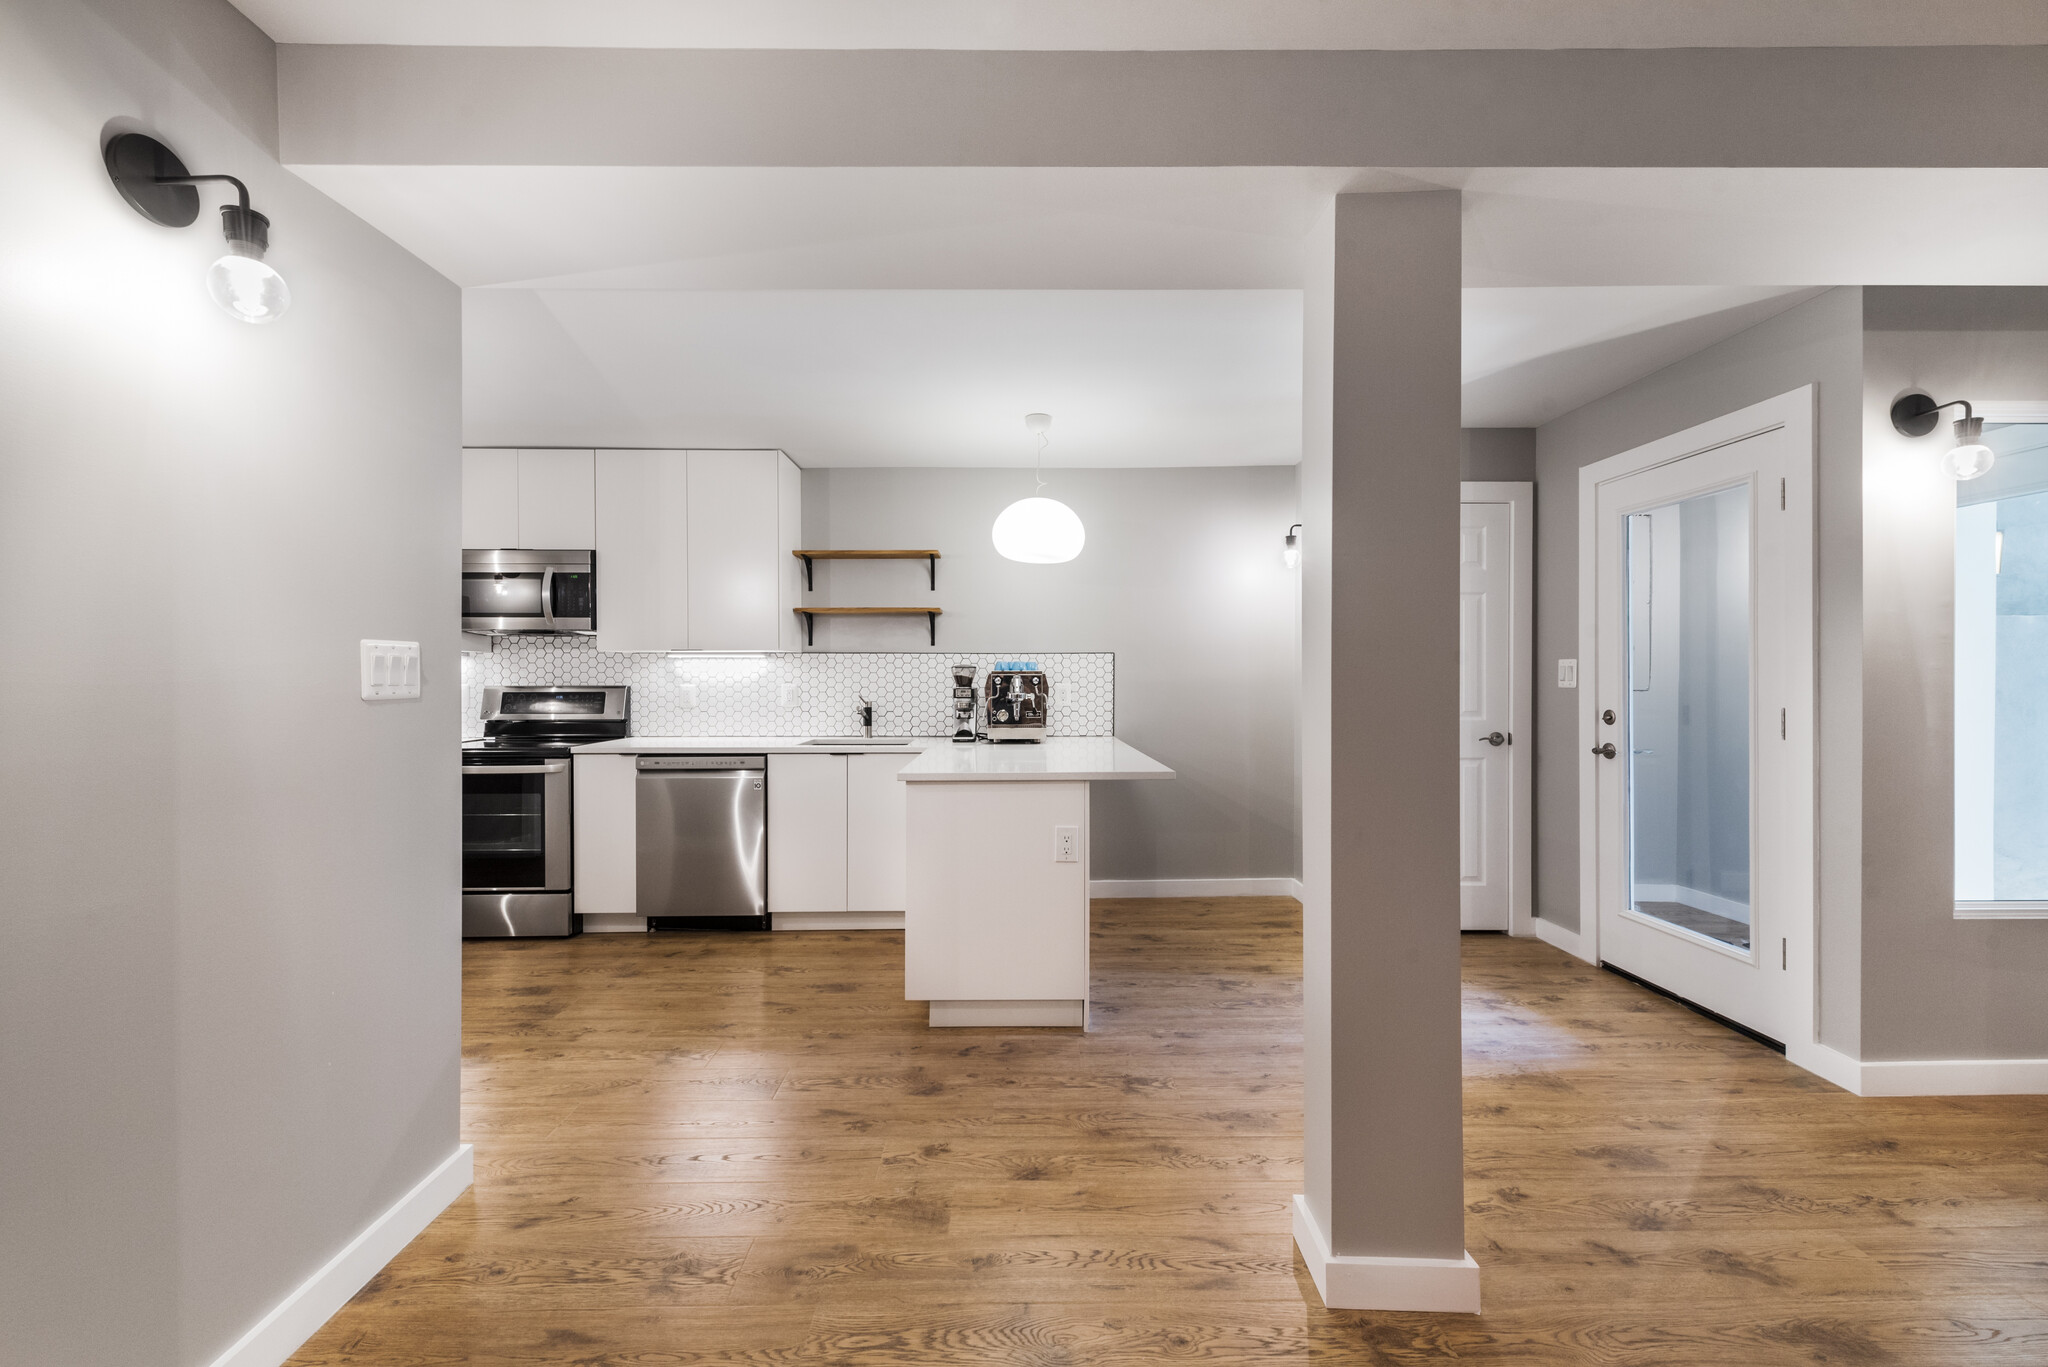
x: 1383, y: 1123
x: 1821, y: 343
x: 229, y: 998
x: 1934, y: 987
x: 1497, y: 453
x: 1917, y: 106
x: 1181, y: 577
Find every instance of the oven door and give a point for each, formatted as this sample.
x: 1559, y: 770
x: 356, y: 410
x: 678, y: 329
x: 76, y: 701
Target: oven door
x: 515, y: 827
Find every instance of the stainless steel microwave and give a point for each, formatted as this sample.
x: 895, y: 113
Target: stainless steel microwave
x: 522, y: 591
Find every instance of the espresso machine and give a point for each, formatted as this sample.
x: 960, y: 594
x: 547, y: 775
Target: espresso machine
x: 1014, y: 703
x: 963, y: 704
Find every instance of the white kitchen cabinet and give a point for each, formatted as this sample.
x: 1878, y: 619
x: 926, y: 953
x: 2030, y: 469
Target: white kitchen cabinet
x: 490, y: 500
x: 556, y: 493
x: 807, y: 833
x: 536, y: 500
x: 694, y: 550
x: 607, y: 869
x: 735, y: 540
x: 643, y: 563
x: 877, y: 807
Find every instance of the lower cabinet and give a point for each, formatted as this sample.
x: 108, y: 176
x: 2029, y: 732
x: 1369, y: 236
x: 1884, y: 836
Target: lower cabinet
x: 607, y: 876
x: 836, y: 829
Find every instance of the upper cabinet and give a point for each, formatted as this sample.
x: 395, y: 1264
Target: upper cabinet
x: 535, y: 500
x: 693, y: 550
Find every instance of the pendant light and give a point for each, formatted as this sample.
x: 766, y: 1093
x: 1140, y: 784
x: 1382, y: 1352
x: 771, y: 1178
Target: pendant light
x: 1038, y: 530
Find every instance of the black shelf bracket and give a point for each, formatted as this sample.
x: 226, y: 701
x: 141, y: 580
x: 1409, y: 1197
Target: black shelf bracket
x: 932, y: 618
x: 810, y: 620
x: 932, y: 562
x: 807, y: 574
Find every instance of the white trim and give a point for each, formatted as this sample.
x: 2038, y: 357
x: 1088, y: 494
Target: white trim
x: 1071, y: 1012
x: 2012, y: 410
x: 610, y: 922
x: 1792, y: 411
x: 2002, y: 911
x: 1570, y: 941
x: 293, y: 1320
x: 1727, y: 908
x: 1520, y: 496
x: 1195, y: 887
x: 1348, y: 1282
x: 1925, y: 1077
x: 838, y: 920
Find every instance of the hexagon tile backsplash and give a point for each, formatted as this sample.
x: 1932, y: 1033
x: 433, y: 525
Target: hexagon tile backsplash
x: 743, y: 695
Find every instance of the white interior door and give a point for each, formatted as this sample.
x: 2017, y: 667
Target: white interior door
x: 1700, y: 754
x: 1486, y: 715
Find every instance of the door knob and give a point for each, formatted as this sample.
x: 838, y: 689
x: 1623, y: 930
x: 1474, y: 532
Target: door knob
x: 1605, y: 751
x: 1495, y: 739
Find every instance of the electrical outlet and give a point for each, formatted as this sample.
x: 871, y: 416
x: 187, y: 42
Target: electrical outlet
x: 785, y: 695
x: 1567, y: 673
x: 689, y: 694
x: 390, y: 669
x: 1066, y: 844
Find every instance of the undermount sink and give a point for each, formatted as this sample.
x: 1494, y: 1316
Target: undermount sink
x: 858, y: 740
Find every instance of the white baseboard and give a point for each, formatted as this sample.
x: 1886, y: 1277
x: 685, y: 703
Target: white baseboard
x: 838, y: 920
x: 612, y: 922
x: 1924, y: 1077
x: 1347, y: 1282
x: 1072, y: 1013
x: 1195, y: 887
x: 294, y: 1319
x: 1570, y: 941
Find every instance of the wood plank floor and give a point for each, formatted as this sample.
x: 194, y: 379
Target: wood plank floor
x: 737, y: 1149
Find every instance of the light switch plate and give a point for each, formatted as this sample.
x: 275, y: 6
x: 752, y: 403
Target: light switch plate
x: 1066, y: 844
x: 785, y: 695
x: 688, y: 694
x: 1567, y: 673
x: 391, y: 669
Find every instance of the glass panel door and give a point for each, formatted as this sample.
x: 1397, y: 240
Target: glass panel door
x: 1687, y: 597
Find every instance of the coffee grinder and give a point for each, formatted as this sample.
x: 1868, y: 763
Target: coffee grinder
x: 963, y: 704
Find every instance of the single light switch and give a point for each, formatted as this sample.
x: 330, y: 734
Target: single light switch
x: 1066, y: 844
x: 391, y: 669
x: 1567, y: 673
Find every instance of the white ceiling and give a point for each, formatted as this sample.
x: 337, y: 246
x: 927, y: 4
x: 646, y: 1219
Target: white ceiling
x: 1117, y: 25
x: 1106, y: 293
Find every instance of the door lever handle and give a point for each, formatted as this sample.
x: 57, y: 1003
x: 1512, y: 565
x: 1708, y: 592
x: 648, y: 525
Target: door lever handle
x: 1605, y: 751
x: 1495, y: 739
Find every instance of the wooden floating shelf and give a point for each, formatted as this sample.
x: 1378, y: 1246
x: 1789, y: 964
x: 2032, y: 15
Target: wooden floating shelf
x: 811, y: 615
x: 931, y: 559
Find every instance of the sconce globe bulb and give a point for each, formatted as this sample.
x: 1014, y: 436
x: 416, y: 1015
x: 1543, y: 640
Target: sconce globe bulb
x: 246, y: 287
x: 1968, y: 461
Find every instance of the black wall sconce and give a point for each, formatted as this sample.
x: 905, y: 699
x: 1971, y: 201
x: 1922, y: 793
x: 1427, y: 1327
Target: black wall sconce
x: 157, y: 186
x: 1913, y: 415
x: 1290, y: 550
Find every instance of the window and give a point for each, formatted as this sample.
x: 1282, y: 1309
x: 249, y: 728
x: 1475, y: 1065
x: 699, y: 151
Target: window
x: 2001, y: 678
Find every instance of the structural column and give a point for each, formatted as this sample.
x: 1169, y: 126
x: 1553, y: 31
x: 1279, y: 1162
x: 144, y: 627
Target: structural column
x: 1381, y: 1225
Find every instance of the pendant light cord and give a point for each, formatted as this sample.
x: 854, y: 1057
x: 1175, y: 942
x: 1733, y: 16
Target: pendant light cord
x: 1038, y: 464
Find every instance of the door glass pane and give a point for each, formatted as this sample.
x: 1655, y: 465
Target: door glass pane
x: 2001, y: 644
x: 1687, y: 567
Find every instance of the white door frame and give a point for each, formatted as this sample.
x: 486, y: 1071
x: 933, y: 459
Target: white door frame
x: 1520, y: 496
x: 1794, y: 413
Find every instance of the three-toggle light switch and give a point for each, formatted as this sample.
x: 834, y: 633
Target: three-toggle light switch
x: 391, y: 669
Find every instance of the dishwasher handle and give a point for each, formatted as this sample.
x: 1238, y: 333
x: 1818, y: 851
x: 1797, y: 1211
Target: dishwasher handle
x: 673, y: 763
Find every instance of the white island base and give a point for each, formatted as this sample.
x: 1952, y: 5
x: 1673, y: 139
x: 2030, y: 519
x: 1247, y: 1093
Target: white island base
x: 995, y: 926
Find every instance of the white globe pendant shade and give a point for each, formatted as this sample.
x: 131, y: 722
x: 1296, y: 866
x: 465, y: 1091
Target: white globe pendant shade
x: 1038, y: 531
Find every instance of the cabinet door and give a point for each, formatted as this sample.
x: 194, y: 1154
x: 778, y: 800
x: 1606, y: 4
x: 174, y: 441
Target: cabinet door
x: 876, y: 817
x: 790, y: 515
x: 735, y: 582
x: 490, y: 500
x: 806, y: 833
x: 643, y: 572
x: 556, y: 495
x: 605, y: 835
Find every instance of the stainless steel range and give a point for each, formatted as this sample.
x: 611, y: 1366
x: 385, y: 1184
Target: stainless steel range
x: 517, y: 866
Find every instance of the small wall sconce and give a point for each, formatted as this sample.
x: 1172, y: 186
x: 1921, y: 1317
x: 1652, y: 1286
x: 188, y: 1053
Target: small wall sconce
x: 157, y: 186
x: 1913, y: 416
x: 1290, y: 551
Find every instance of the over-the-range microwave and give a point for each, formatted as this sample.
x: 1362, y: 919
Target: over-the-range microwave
x: 529, y: 591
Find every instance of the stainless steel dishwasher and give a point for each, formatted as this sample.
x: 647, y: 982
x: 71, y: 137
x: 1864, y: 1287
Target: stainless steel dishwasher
x: 702, y: 827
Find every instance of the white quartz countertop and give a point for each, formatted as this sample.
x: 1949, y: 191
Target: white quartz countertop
x: 1065, y: 759
x: 749, y: 745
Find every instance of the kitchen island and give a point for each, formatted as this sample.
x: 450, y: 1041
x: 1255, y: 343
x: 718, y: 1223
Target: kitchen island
x: 995, y: 928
